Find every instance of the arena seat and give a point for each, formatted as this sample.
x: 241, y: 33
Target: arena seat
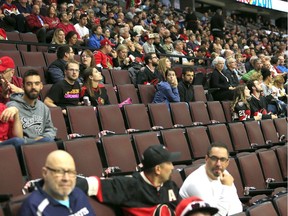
x: 120, y: 77
x: 259, y: 209
x: 239, y: 136
x: 101, y: 209
x: 33, y: 59
x: 269, y: 131
x: 199, y: 112
x: 136, y: 117
x: 216, y: 111
x: 107, y: 76
x: 281, y: 126
x: 146, y: 93
x: 281, y: 153
x: 59, y: 122
x: 49, y: 57
x: 180, y: 114
x: 111, y: 94
x: 227, y: 110
x: 280, y: 204
x: 126, y: 91
x: 254, y: 132
x: 44, y: 91
x: 39, y: 69
x: 199, y: 93
x: 160, y: 115
x: 14, y: 54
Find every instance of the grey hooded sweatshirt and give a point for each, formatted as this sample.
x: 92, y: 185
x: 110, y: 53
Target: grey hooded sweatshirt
x: 36, y: 121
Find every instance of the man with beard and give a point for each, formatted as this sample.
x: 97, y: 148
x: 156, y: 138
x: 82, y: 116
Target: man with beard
x: 212, y: 183
x: 149, y: 75
x: 34, y: 115
x: 56, y: 194
x: 185, y: 87
x: 65, y: 92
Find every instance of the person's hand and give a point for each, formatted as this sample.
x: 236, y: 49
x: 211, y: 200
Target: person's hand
x: 226, y: 179
x: 38, y: 138
x: 258, y: 117
x: 64, y: 111
x: 14, y: 89
x: 174, y: 83
x: 9, y: 114
x: 231, y: 88
x: 126, y: 61
x: 274, y: 116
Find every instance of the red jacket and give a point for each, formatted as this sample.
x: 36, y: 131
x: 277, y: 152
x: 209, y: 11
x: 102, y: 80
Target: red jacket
x: 52, y: 22
x: 34, y: 23
x: 103, y: 60
x: 67, y: 28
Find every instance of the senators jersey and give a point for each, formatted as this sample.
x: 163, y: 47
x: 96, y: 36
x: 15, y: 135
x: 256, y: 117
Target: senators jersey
x: 241, y: 112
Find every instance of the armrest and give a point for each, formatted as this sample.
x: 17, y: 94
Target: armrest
x: 260, y: 191
x: 273, y: 185
x: 245, y: 199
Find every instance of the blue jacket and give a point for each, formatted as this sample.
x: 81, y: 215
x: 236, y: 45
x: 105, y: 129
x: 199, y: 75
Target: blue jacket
x: 40, y: 203
x: 166, y: 94
x: 94, y: 41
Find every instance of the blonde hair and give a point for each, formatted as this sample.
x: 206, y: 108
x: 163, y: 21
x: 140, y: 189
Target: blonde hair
x: 162, y: 66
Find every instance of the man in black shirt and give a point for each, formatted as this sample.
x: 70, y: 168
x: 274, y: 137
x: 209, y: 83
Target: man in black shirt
x: 185, y: 87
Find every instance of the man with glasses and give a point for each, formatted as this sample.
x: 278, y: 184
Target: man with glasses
x: 67, y: 91
x: 55, y: 71
x: 56, y: 194
x: 212, y: 182
x: 9, y: 83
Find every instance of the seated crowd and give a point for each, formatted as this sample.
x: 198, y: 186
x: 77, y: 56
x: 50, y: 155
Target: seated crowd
x: 249, y: 69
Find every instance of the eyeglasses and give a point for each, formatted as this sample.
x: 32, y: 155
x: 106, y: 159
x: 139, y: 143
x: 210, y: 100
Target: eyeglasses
x: 215, y: 159
x: 72, y: 70
x: 62, y: 172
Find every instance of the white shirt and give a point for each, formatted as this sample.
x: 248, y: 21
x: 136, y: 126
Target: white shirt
x: 175, y: 52
x: 82, y: 31
x: 223, y: 197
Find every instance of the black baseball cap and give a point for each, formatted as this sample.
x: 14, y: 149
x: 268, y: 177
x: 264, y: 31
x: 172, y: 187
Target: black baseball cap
x: 157, y: 154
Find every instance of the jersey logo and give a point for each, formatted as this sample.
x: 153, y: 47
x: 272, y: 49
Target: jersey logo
x: 171, y: 195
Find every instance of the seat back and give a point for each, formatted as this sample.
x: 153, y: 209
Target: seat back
x: 86, y: 156
x: 143, y: 140
x: 28, y: 37
x: 10, y: 171
x: 34, y: 156
x: 180, y: 113
x: 14, y: 54
x: 116, y: 148
x: 120, y: 77
x: 198, y: 140
x: 227, y: 110
x: 160, y: 115
x: 111, y: 118
x: 269, y: 130
x: 219, y: 133
x: 146, y: 93
x: 137, y: 117
x: 234, y: 171
x: 44, y: 91
x: 83, y: 120
x: 39, y: 69
x: 270, y: 165
x: 175, y: 141
x: 33, y: 59
x: 280, y: 204
x: 127, y: 91
x: 254, y: 132
x: 281, y: 153
x: 100, y: 208
x: 239, y: 136
x: 259, y: 209
x: 216, y: 111
x: 281, y: 126
x: 59, y: 122
x: 49, y: 57
x: 14, y: 36
x: 107, y: 76
x: 177, y: 178
x: 199, y: 112
x: 199, y: 93
x: 111, y: 94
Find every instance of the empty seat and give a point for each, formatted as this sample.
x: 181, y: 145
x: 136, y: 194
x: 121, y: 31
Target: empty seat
x: 86, y: 156
x: 120, y: 77
x: 239, y: 136
x: 34, y: 156
x: 28, y: 37
x: 219, y: 133
x: 282, y: 158
x: 107, y: 76
x: 111, y: 118
x: 15, y: 55
x: 269, y: 131
x: 111, y: 94
x: 146, y: 93
x: 160, y: 115
x: 216, y: 111
x: 143, y: 140
x: 14, y: 36
x: 199, y: 112
x: 175, y: 141
x: 280, y: 204
x: 119, y: 152
x: 281, y: 126
x: 59, y: 122
x: 258, y: 210
x: 180, y: 113
x: 39, y: 69
x: 128, y: 91
x: 49, y: 57
x: 227, y: 110
x: 198, y: 140
x: 83, y: 120
x: 7, y: 46
x: 199, y: 93
x: 33, y: 59
x: 10, y: 171
x: 254, y: 132
x: 136, y: 117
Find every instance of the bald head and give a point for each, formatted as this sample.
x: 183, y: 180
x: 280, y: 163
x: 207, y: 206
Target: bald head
x: 60, y: 157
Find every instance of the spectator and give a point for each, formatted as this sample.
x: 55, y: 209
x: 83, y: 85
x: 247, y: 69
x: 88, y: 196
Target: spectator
x: 163, y: 65
x: 240, y: 65
x: 122, y: 61
x: 23, y: 7
x: 81, y: 28
x: 249, y: 64
x: 258, y: 103
x: 157, y: 45
x: 55, y: 71
x: 57, y: 39
x: 217, y: 24
x: 281, y: 65
x: 135, y: 53
x: 200, y: 53
x: 96, y: 37
x: 240, y: 107
x: 66, y: 92
x: 194, y: 206
x: 185, y: 86
x: 93, y: 88
x: 76, y: 17
x: 34, y: 115
x: 102, y: 56
x: 231, y: 71
x: 9, y: 83
x: 168, y: 45
x: 257, y: 64
x: 279, y: 89
x: 167, y: 91
x: 220, y: 81
x: 149, y: 75
x: 178, y: 50
x: 51, y: 19
x: 57, y: 190
x: 148, y: 46
x: 92, y: 20
x: 71, y: 40
x: 66, y: 25
x: 191, y: 21
x: 86, y: 60
x: 43, y: 7
x: 38, y: 25
x: 213, y: 183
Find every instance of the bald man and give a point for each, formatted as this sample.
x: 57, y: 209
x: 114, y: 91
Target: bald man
x: 56, y: 194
